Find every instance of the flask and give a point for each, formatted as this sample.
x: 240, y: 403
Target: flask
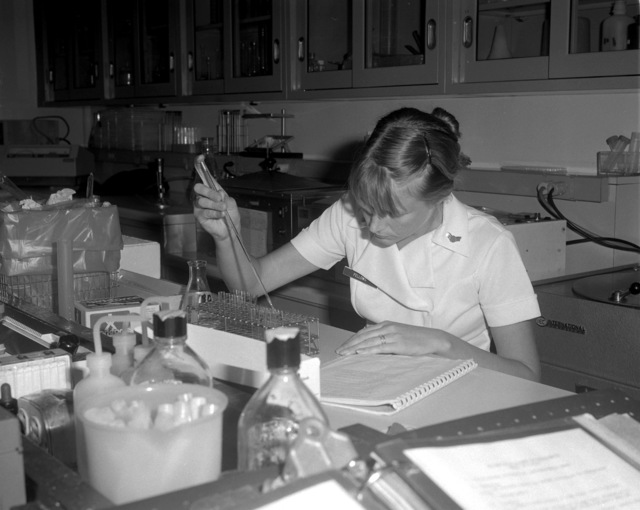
x: 171, y: 360
x: 197, y: 299
x: 614, y: 28
x: 269, y: 423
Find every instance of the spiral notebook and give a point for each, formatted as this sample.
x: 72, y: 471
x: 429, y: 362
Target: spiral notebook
x: 386, y: 383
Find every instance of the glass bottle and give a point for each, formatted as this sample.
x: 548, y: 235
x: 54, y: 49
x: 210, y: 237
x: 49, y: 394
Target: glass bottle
x: 269, y: 422
x: 171, y: 360
x: 198, y: 297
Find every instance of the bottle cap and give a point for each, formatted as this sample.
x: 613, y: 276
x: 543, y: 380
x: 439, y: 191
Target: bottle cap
x: 170, y: 323
x: 99, y: 363
x: 620, y: 7
x: 283, y: 347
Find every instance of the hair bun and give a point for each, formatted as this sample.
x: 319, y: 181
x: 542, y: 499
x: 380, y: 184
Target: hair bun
x: 448, y: 119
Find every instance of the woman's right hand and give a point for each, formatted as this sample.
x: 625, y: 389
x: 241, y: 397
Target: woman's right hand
x: 209, y: 209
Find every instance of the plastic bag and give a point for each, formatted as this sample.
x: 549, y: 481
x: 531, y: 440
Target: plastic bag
x: 28, y: 238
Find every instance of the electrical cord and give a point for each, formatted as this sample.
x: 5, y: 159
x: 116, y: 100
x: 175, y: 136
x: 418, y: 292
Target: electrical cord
x: 34, y: 126
x: 614, y: 243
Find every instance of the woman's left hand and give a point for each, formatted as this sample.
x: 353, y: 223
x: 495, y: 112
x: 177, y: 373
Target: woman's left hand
x: 394, y: 338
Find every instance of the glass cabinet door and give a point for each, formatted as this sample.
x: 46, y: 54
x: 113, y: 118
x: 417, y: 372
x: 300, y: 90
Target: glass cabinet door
x: 600, y: 39
x: 324, y: 53
x: 143, y: 47
x: 205, y: 49
x: 399, y: 45
x: 256, y: 38
x: 122, y: 71
x: 504, y: 40
x: 72, y: 49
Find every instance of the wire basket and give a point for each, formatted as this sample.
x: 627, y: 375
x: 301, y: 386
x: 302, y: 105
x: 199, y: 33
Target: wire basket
x: 42, y: 290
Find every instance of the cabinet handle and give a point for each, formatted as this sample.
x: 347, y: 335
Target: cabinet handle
x: 431, y: 34
x: 171, y: 62
x: 301, y: 49
x: 96, y: 70
x: 467, y: 32
x: 50, y: 75
x: 190, y: 61
x: 112, y: 70
x: 276, y: 51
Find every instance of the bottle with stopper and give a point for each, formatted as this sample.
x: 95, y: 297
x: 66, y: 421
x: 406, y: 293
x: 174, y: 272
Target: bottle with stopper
x: 171, y: 360
x: 269, y: 423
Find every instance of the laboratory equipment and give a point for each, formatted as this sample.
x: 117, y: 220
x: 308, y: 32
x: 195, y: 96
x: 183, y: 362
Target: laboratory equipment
x: 270, y: 421
x: 197, y: 294
x: 171, y: 360
x: 208, y: 180
x: 141, y: 457
x: 98, y: 381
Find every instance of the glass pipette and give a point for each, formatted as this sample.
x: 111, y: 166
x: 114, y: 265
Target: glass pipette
x: 209, y: 181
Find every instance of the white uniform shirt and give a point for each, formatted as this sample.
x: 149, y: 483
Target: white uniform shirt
x: 462, y: 277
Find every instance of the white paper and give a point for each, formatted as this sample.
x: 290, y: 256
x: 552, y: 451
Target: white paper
x: 329, y: 494
x: 560, y: 470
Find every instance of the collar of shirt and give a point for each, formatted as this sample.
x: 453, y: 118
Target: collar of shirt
x: 401, y: 272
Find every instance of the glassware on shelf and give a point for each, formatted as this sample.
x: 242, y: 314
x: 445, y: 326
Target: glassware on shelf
x: 269, y: 423
x: 198, y: 295
x: 171, y: 360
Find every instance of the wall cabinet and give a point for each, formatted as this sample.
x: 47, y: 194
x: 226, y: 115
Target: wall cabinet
x: 117, y: 51
x: 69, y: 39
x: 365, y: 43
x: 234, y: 46
x: 519, y: 40
x: 143, y: 49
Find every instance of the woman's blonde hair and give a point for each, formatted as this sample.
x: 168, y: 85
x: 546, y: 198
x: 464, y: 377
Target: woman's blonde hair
x: 407, y: 146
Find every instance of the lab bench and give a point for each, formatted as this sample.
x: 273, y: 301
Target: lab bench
x: 51, y: 484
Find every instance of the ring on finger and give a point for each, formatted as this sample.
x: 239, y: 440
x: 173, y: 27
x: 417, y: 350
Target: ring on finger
x: 383, y: 340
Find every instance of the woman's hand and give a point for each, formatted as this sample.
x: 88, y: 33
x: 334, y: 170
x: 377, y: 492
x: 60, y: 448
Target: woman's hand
x: 395, y: 338
x: 209, y: 209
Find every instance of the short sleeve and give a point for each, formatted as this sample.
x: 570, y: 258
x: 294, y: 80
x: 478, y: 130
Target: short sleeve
x: 323, y: 242
x: 506, y: 293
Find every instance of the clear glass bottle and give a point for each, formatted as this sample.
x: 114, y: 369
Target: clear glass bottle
x: 171, y: 360
x: 269, y: 422
x: 198, y: 297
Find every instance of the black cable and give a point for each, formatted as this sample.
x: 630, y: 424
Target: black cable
x: 34, y: 125
x: 549, y: 205
x: 609, y: 242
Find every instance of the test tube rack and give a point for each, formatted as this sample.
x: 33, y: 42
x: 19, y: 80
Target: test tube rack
x: 239, y: 313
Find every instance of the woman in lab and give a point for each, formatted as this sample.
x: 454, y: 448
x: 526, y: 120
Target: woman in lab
x: 428, y: 273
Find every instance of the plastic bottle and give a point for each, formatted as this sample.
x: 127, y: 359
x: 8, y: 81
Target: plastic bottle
x: 123, y: 343
x: 198, y: 296
x: 614, y: 28
x: 270, y: 421
x: 171, y: 360
x: 99, y: 380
